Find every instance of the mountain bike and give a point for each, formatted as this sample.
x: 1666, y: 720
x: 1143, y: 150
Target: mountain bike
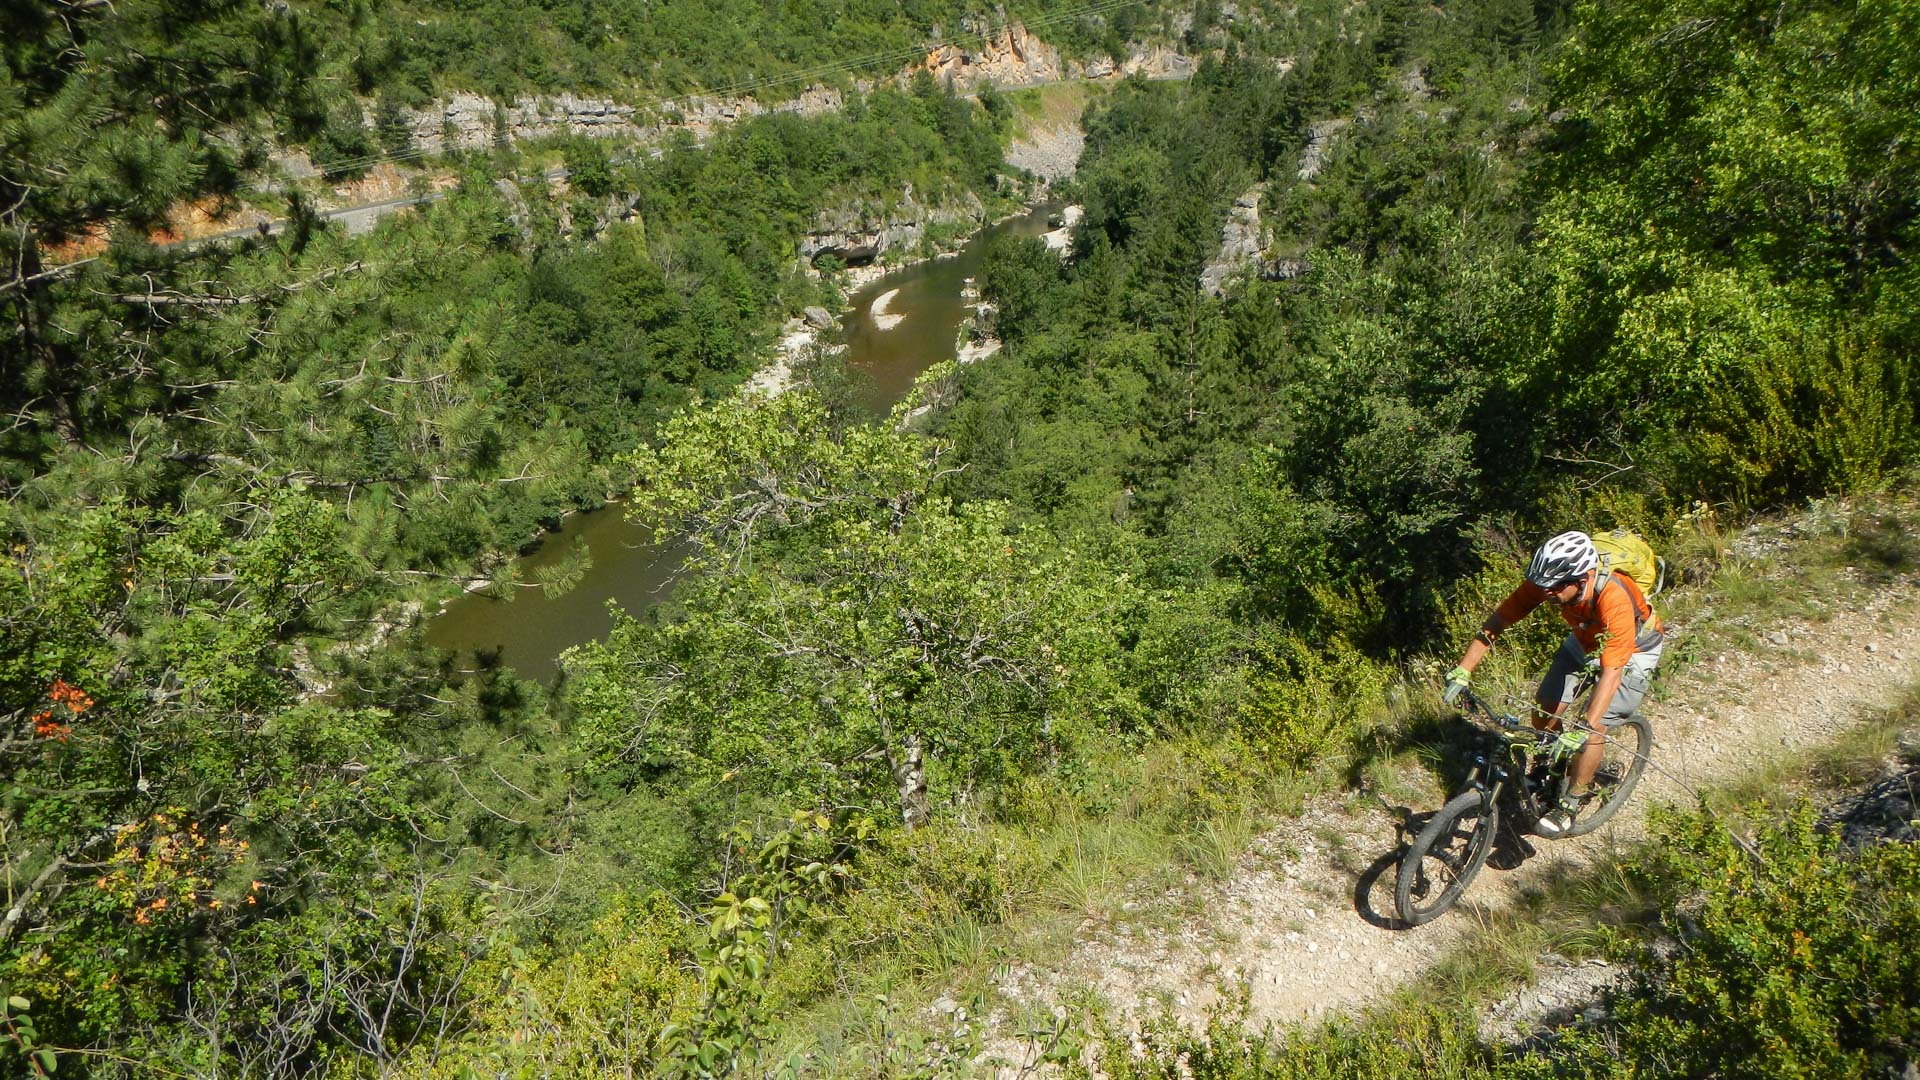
x: 1517, y: 771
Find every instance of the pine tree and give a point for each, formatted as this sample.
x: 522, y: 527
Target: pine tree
x: 110, y: 116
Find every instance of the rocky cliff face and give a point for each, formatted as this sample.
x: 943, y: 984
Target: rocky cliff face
x: 857, y: 235
x: 1320, y: 136
x: 1239, y: 241
x: 469, y: 121
x: 1241, y: 248
x: 1007, y: 58
x: 1012, y: 58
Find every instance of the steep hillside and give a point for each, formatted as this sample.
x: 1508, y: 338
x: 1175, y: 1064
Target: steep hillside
x: 1142, y: 610
x: 1305, y: 922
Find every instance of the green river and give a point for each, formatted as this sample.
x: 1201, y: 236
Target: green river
x: 528, y: 631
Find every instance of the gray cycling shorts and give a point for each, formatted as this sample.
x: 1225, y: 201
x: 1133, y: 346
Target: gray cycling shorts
x: 1565, y: 674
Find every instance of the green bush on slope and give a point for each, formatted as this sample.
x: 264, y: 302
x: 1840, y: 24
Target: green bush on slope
x: 1792, y: 960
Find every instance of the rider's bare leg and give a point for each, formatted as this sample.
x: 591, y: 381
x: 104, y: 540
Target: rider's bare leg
x: 1546, y: 714
x: 1586, y: 763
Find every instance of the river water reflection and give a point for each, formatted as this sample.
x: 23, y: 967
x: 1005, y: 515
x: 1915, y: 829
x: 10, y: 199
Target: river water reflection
x: 528, y: 631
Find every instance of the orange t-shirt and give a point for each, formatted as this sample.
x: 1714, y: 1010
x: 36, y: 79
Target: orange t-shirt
x: 1604, y: 621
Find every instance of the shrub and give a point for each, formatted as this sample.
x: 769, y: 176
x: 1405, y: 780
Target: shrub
x: 1817, y: 412
x: 598, y: 1010
x: 1306, y: 704
x: 1425, y: 1042
x: 1796, y: 961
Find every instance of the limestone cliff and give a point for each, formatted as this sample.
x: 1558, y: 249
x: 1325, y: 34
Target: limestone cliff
x: 1006, y: 58
x: 1010, y: 57
x: 1242, y: 248
x: 861, y: 234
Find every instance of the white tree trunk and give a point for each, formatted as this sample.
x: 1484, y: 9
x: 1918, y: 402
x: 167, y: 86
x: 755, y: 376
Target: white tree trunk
x: 910, y: 778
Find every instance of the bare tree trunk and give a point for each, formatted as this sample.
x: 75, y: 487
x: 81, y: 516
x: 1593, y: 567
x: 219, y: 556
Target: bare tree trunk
x: 910, y: 778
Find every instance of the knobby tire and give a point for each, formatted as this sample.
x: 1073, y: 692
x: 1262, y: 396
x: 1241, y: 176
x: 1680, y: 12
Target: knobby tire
x: 1445, y: 857
x: 1630, y: 762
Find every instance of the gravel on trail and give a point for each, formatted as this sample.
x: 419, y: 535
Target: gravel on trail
x: 1306, y: 919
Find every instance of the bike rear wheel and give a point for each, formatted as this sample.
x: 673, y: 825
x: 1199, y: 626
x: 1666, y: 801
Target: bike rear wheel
x: 1623, y: 758
x: 1445, y: 857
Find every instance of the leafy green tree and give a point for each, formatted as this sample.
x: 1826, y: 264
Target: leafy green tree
x: 159, y: 755
x: 589, y: 168
x: 933, y: 639
x: 1738, y: 184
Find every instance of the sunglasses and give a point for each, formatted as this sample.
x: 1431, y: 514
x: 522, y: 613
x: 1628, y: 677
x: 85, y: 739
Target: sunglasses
x: 1553, y: 591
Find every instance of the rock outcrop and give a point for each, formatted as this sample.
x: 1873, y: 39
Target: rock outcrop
x: 1320, y: 136
x: 1006, y: 58
x: 1889, y: 810
x: 1239, y: 242
x: 469, y: 121
x: 1060, y: 238
x: 1010, y: 57
x: 1241, y: 248
x: 860, y: 235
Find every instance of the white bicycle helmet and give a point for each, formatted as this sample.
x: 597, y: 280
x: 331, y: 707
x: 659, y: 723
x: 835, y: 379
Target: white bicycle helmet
x: 1561, y: 559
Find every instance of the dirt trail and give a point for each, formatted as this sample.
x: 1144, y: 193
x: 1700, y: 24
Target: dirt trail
x: 1306, y: 918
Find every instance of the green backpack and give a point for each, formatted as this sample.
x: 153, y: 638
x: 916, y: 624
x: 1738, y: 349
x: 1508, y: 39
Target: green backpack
x: 1623, y: 551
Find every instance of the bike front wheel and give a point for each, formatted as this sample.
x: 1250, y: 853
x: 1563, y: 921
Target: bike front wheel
x: 1623, y: 758
x: 1445, y: 857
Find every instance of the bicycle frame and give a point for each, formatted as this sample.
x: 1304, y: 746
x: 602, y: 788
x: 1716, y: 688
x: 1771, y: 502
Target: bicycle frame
x: 1514, y: 749
x: 1516, y: 767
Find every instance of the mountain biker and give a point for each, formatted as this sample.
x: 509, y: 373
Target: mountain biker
x: 1612, y: 623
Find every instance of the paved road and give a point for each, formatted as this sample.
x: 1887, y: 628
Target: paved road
x: 358, y: 219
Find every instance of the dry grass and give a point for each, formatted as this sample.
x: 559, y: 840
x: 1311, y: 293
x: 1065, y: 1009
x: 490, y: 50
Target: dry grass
x: 1051, y: 108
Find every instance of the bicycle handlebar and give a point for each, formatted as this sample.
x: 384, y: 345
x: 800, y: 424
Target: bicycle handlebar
x: 1499, y: 724
x: 1474, y: 701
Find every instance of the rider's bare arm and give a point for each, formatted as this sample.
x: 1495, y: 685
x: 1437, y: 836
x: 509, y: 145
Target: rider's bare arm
x: 1518, y: 605
x: 1482, y: 641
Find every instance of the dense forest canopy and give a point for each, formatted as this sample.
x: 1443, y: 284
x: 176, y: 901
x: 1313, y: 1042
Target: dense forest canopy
x: 772, y: 50
x: 1545, y: 264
